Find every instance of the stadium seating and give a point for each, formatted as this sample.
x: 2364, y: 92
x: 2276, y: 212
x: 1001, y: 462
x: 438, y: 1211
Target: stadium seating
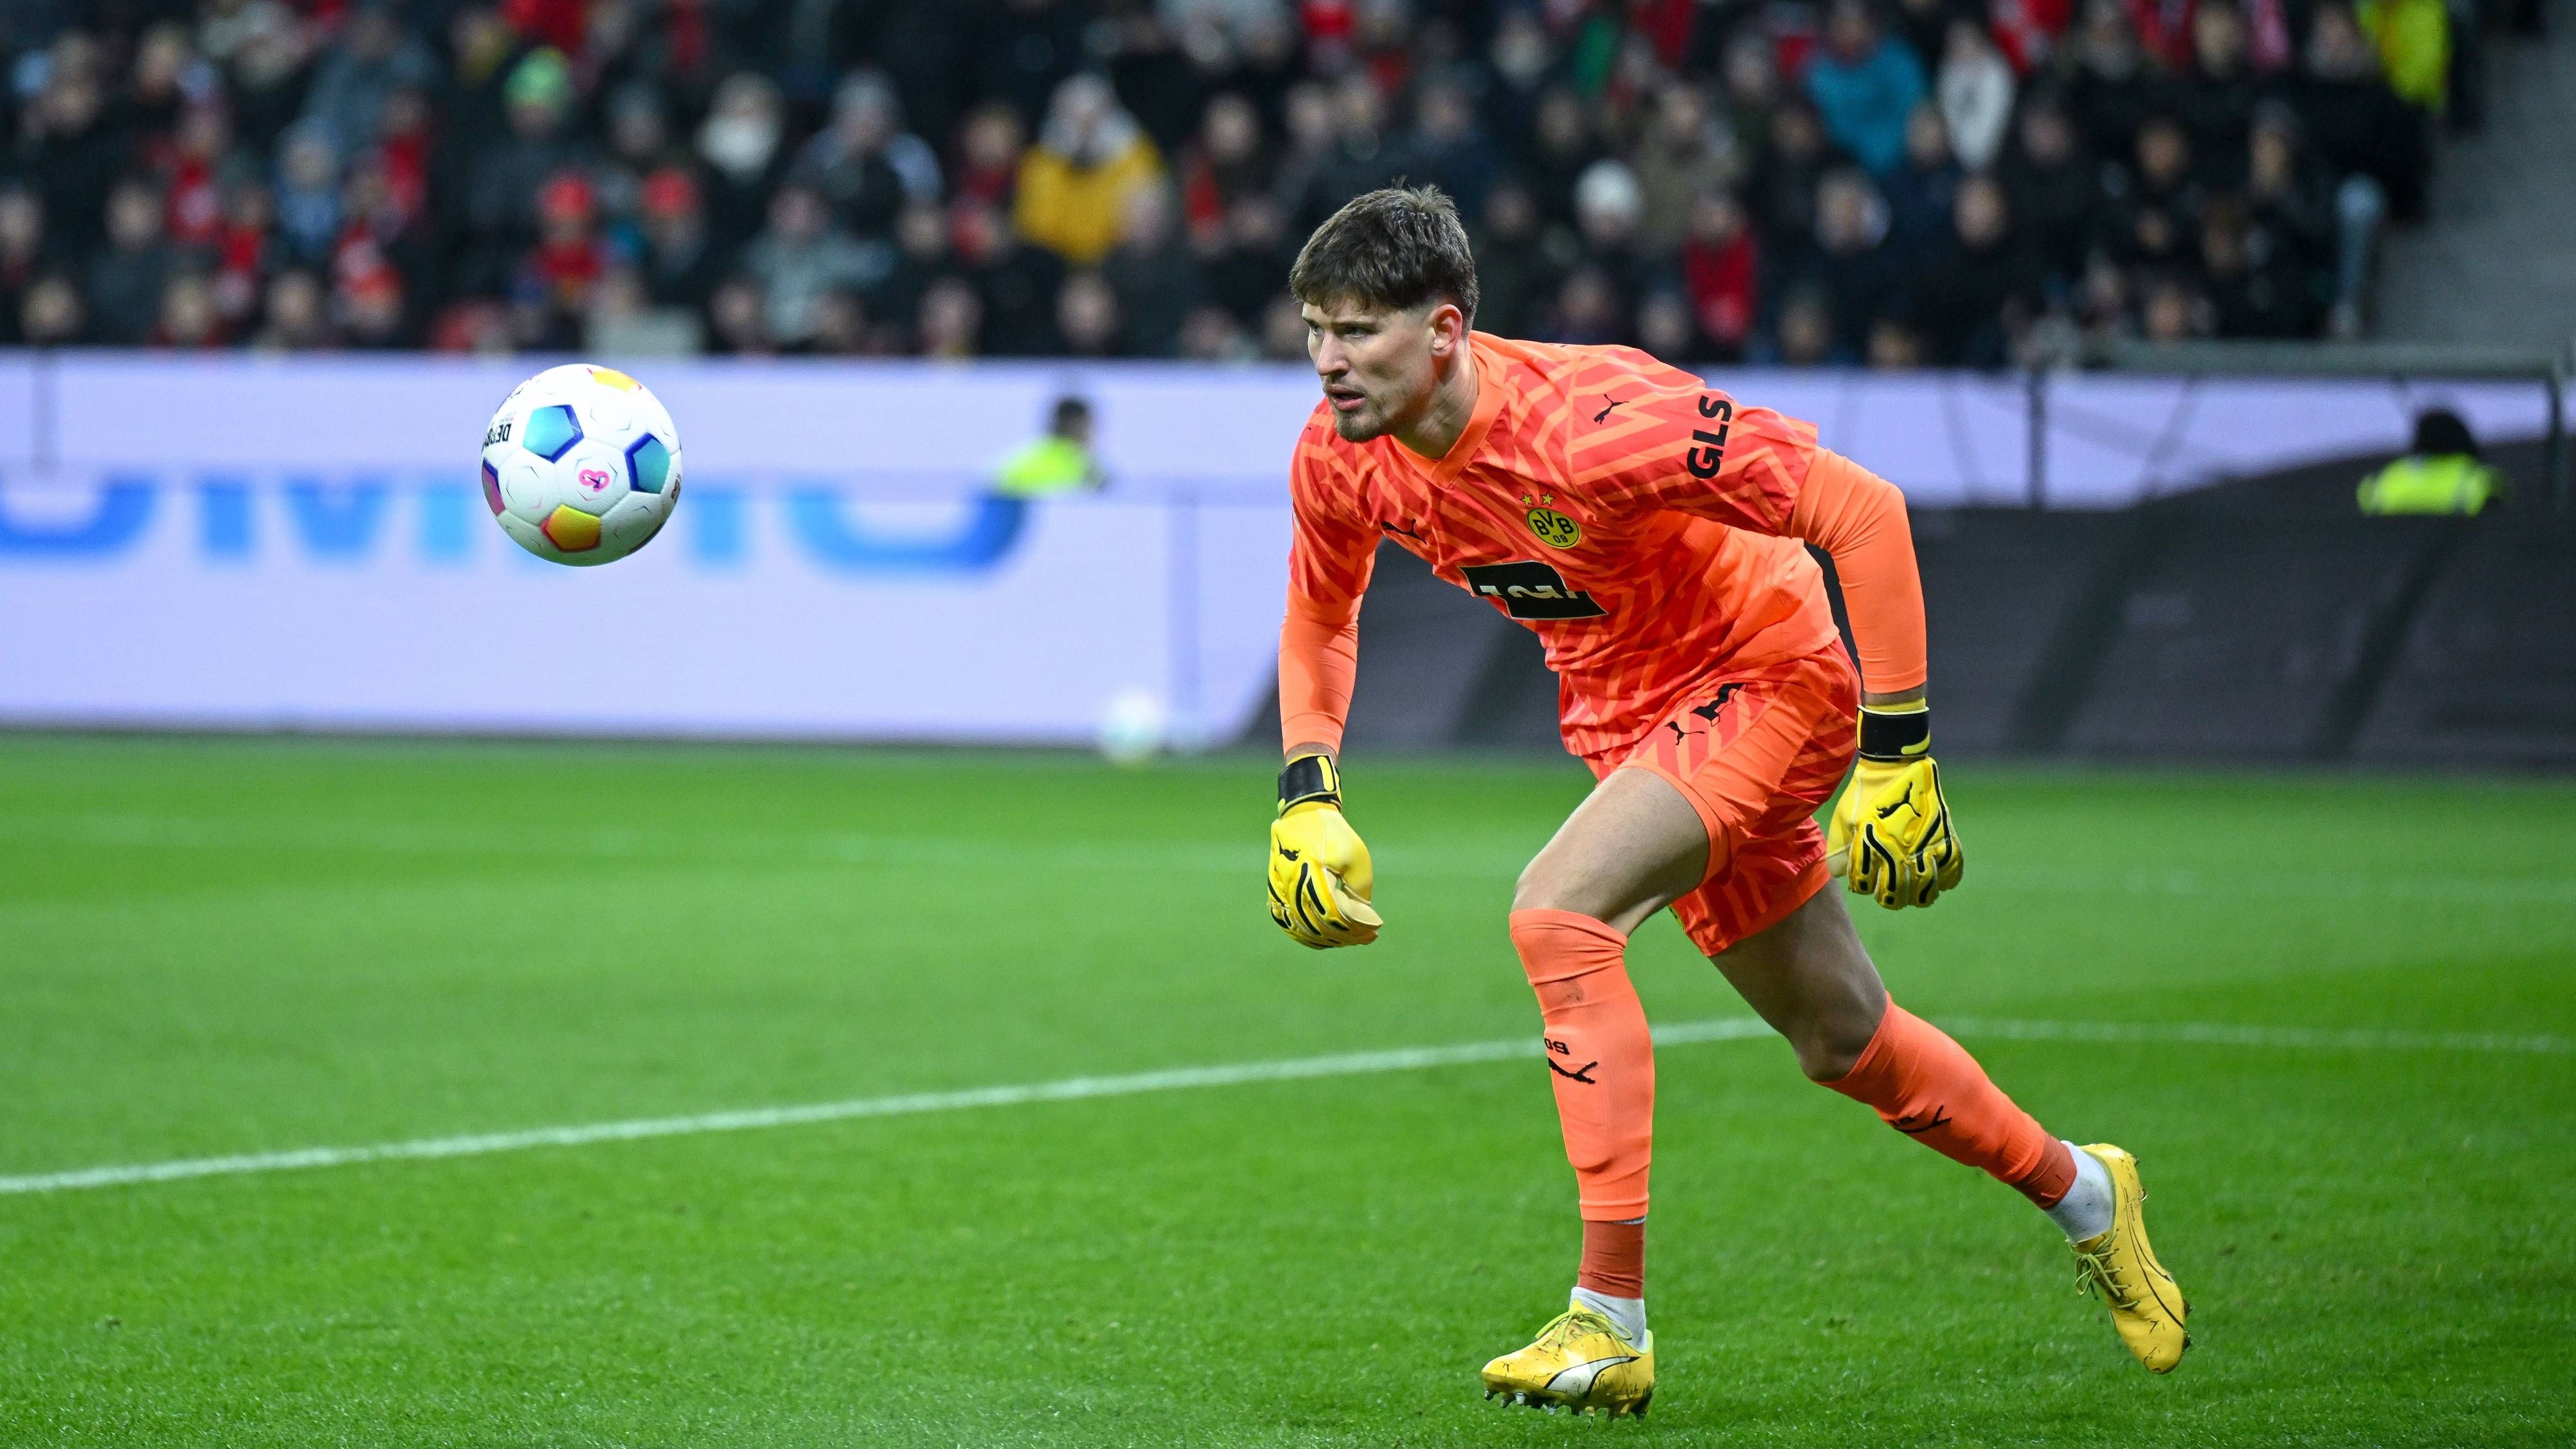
x: 1926, y: 182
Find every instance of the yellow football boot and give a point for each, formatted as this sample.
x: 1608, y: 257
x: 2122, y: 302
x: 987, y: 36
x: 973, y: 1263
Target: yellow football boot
x: 2146, y: 1305
x: 1578, y: 1362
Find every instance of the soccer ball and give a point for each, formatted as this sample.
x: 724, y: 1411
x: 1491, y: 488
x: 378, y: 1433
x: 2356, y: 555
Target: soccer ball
x: 581, y: 465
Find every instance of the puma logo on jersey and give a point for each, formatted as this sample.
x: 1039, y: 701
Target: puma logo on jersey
x: 1603, y: 416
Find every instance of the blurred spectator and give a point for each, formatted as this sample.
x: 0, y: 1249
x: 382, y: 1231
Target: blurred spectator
x: 1920, y: 191
x: 2215, y: 98
x: 1664, y: 327
x: 802, y: 257
x: 951, y: 316
x: 1865, y: 85
x: 2111, y: 91
x: 680, y: 264
x: 127, y: 278
x: 22, y: 253
x: 989, y: 156
x: 1250, y: 265
x: 1224, y: 166
x: 1086, y: 316
x: 1609, y: 207
x: 863, y: 162
x: 194, y: 204
x: 1751, y: 79
x: 1893, y: 345
x: 297, y: 315
x: 742, y: 142
x: 1589, y: 311
x: 1682, y: 156
x: 1782, y: 189
x: 1513, y: 268
x: 568, y: 258
x: 50, y: 315
x: 70, y: 153
x: 1155, y: 278
x: 2174, y: 311
x: 2052, y: 186
x: 1975, y: 92
x: 1074, y: 183
x: 1978, y: 293
x: 2154, y: 208
x: 307, y: 198
x: 265, y: 50
x: 1562, y: 149
x: 1015, y: 284
x: 244, y: 255
x: 1856, y: 273
x: 1805, y: 331
x: 2356, y: 125
x: 1362, y: 156
x: 2292, y: 210
x: 187, y: 317
x: 739, y: 317
x: 1721, y: 269
x: 2252, y: 291
x: 1448, y: 147
x: 922, y: 256
x: 364, y: 65
x: 1213, y: 335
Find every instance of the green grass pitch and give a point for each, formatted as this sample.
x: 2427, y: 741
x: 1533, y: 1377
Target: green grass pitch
x: 213, y: 947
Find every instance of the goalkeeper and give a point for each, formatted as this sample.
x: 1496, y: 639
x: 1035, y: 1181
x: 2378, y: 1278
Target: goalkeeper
x: 1653, y: 533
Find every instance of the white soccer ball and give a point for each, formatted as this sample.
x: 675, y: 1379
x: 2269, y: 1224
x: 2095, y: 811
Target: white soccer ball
x: 581, y: 465
x: 1135, y: 727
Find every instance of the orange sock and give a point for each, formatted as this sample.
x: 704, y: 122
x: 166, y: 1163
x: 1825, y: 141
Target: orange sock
x: 1926, y: 1086
x: 1599, y: 1056
x: 1614, y: 1259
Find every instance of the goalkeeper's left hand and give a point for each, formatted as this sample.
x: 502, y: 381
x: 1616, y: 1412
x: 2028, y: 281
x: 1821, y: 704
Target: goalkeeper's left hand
x: 1320, y: 876
x: 1890, y: 838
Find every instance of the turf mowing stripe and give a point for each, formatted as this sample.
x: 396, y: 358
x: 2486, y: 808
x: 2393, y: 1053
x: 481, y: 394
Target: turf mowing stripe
x: 1396, y: 858
x: 1073, y: 1089
x: 2272, y: 1036
x: 1346, y: 1064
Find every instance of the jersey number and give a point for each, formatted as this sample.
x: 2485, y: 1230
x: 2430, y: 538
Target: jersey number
x: 1531, y: 591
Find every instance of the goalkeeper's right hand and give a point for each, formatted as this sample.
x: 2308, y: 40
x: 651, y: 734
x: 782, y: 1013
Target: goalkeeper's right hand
x: 1320, y: 877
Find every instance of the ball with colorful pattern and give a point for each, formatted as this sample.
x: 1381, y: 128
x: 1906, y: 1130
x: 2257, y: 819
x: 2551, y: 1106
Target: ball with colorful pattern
x: 581, y: 465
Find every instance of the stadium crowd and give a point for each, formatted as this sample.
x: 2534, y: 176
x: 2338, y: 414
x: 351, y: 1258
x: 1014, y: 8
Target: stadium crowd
x: 1846, y: 181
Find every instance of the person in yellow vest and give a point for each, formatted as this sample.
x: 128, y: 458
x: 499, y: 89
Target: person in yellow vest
x: 1059, y: 462
x: 2442, y: 473
x: 1075, y: 181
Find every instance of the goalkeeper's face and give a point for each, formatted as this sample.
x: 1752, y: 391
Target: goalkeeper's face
x: 1381, y: 366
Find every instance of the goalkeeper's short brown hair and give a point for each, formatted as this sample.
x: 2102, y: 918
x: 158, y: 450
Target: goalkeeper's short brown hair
x: 1397, y: 249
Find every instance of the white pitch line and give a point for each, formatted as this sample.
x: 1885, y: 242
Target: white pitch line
x: 1347, y: 1064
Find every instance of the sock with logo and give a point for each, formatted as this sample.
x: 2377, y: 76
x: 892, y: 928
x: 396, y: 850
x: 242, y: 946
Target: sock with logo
x: 1926, y: 1086
x: 2085, y: 1211
x: 1599, y: 1056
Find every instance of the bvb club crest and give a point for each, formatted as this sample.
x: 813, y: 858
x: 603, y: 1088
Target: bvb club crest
x: 1555, y: 529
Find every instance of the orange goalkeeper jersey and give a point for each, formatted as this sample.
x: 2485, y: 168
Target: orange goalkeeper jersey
x: 1621, y: 509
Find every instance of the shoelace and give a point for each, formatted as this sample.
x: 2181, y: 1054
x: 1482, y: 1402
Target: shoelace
x: 2094, y: 1270
x: 1562, y: 1329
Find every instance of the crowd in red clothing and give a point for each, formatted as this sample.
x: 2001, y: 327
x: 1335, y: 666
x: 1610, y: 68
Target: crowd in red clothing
x: 1895, y: 182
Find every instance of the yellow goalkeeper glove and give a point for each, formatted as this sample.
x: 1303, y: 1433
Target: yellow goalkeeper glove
x: 1891, y: 838
x: 1320, y: 877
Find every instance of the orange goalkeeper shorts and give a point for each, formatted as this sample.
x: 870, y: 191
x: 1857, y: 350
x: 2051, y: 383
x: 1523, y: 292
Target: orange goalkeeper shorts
x: 1756, y: 752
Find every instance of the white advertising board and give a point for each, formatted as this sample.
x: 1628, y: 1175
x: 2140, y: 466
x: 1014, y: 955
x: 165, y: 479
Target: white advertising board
x: 258, y: 543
